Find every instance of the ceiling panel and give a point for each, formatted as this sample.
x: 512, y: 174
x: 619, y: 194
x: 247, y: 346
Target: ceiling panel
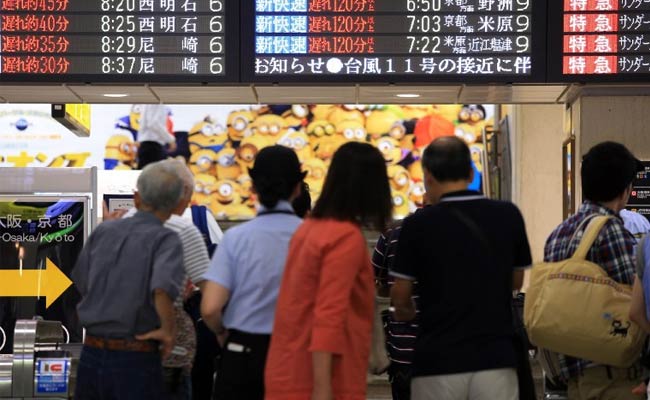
x: 511, y: 94
x: 306, y: 94
x: 95, y: 94
x: 37, y: 94
x: 416, y: 94
x: 205, y: 94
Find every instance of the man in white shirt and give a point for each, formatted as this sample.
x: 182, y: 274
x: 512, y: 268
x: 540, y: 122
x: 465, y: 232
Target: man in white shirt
x: 153, y: 135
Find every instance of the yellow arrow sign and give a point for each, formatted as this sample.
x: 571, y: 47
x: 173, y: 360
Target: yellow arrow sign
x: 50, y: 282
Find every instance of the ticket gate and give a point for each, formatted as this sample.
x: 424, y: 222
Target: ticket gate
x: 42, y: 366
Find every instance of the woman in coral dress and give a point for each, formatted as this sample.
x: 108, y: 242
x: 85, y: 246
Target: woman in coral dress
x: 323, y: 323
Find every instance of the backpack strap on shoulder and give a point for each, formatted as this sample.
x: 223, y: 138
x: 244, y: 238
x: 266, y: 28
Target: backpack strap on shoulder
x: 591, y: 233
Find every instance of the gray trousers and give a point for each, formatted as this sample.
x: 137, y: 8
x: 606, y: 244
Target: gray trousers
x: 493, y: 384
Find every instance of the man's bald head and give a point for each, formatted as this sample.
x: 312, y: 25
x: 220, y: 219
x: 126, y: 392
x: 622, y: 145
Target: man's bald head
x: 448, y: 159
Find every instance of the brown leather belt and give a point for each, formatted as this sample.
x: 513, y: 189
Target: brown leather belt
x: 121, y: 344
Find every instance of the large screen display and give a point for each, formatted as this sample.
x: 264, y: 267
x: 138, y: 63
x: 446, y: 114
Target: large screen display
x: 394, y: 40
x: 113, y: 40
x: 599, y: 40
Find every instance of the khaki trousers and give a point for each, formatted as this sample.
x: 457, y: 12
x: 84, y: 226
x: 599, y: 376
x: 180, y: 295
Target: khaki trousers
x: 596, y: 384
x: 491, y: 384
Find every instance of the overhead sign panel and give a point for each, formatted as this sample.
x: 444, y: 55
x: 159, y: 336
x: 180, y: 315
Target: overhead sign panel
x: 600, y: 40
x: 119, y: 40
x: 394, y: 40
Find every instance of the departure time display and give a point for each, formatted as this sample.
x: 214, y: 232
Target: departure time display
x: 148, y: 40
x: 347, y: 40
x: 601, y: 40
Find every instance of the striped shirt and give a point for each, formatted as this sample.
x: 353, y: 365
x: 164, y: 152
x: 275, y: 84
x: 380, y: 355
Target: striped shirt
x: 400, y: 336
x: 195, y: 264
x: 195, y: 254
x: 613, y: 251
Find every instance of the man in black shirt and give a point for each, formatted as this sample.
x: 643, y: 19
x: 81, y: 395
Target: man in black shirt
x: 467, y: 254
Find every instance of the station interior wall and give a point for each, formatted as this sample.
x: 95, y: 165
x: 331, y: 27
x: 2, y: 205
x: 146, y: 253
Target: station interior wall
x: 537, y: 173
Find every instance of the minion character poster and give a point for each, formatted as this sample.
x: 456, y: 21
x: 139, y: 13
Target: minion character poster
x: 219, y: 143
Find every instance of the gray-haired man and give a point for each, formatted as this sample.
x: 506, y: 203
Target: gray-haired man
x: 128, y: 273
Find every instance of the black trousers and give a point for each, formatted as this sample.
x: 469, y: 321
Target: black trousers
x: 400, y: 380
x: 240, y: 374
x: 150, y: 152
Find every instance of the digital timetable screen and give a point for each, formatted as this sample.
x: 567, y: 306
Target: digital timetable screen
x: 394, y: 40
x: 600, y: 40
x: 103, y: 40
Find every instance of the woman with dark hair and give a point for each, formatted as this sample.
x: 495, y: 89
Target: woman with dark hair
x: 246, y: 272
x: 323, y: 324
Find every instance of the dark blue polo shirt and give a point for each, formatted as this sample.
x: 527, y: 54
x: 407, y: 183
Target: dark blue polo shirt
x: 464, y: 282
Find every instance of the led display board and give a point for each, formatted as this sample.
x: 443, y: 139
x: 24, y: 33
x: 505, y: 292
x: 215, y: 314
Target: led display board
x: 599, y: 40
x: 394, y: 40
x: 119, y: 40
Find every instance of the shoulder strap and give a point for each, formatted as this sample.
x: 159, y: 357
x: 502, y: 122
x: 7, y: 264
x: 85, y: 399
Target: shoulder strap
x: 469, y: 223
x: 591, y: 233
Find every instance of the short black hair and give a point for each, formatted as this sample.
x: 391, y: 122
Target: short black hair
x: 302, y: 204
x: 275, y: 174
x: 356, y: 188
x: 448, y: 159
x: 607, y: 170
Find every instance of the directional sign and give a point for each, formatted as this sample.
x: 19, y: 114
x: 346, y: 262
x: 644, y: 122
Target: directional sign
x: 50, y: 282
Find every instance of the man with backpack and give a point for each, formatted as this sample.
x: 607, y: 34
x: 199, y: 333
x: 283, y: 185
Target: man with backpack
x: 607, y: 172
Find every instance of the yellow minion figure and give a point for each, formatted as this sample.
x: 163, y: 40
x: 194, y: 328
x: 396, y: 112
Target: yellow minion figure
x: 352, y: 131
x: 416, y: 194
x: 270, y: 125
x: 390, y: 149
x: 476, y: 151
x: 203, y: 161
x: 399, y: 178
x: 347, y: 112
x: 415, y: 169
x: 401, y: 207
x: 416, y: 111
x: 472, y: 122
x: 296, y: 115
x: 319, y: 128
x: 204, y: 189
x: 248, y: 149
x: 207, y: 135
x: 383, y: 122
x: 325, y: 147
x: 447, y: 111
x: 227, y: 167
x: 239, y: 123
x: 299, y: 142
x: 320, y: 112
x: 316, y: 172
x: 120, y: 153
x: 227, y: 202
x: 246, y: 190
x: 467, y: 133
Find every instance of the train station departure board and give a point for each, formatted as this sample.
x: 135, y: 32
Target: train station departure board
x: 600, y: 40
x: 119, y: 40
x: 394, y: 40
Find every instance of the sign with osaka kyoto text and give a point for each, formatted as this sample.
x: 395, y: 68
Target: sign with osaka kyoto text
x: 393, y: 40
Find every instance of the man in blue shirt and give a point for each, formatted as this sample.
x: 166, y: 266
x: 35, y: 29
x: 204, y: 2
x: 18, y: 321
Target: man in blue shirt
x: 246, y: 272
x: 128, y: 274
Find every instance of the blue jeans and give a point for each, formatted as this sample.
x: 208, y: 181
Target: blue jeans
x: 118, y: 375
